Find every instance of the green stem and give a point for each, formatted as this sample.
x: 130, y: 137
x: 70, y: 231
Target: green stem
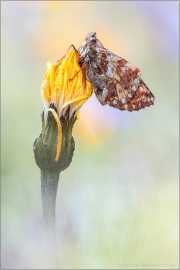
x: 45, y: 147
x: 49, y: 185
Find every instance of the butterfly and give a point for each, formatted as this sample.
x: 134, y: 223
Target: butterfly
x: 115, y: 81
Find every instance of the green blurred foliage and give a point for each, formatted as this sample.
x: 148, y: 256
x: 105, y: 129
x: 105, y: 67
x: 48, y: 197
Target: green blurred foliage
x: 117, y: 204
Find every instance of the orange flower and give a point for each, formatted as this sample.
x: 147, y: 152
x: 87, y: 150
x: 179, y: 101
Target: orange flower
x: 66, y: 87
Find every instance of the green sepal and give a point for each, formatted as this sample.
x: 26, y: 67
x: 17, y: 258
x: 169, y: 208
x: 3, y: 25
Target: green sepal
x: 45, y: 145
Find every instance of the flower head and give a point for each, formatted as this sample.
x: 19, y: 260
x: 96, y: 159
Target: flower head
x: 65, y: 85
x: 64, y: 89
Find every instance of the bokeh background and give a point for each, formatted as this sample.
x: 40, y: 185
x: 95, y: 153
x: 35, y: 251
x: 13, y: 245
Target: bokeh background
x: 117, y: 204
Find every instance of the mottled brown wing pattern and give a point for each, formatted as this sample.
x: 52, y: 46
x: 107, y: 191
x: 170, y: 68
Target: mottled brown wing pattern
x: 115, y: 81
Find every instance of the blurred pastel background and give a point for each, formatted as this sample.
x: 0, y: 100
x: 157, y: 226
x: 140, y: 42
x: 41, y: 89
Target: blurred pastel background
x: 117, y: 204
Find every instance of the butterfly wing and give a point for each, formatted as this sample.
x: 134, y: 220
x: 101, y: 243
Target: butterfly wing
x: 116, y: 82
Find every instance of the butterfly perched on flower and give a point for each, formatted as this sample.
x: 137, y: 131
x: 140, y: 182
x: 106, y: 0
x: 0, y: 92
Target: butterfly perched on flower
x: 115, y: 81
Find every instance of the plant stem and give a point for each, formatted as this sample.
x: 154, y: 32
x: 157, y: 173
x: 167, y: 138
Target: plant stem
x: 49, y: 185
x: 45, y: 152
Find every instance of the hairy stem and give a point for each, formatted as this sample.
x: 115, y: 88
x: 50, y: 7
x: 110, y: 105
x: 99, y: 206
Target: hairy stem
x: 49, y: 185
